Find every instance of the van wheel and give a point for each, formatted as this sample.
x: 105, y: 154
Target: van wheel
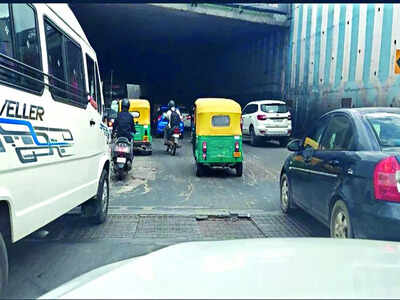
x: 340, y: 225
x: 101, y: 201
x: 199, y: 170
x: 3, y: 265
x: 239, y: 169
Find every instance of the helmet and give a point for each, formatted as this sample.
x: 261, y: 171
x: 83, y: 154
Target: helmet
x: 125, y: 105
x: 171, y: 103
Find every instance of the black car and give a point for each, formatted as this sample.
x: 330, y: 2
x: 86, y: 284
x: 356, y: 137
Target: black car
x: 346, y: 173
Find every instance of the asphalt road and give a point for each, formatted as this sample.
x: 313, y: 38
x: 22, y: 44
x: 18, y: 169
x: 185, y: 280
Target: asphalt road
x: 149, y: 210
x: 163, y: 182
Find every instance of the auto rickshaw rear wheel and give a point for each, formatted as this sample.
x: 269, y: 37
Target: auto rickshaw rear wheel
x: 199, y: 170
x: 239, y: 169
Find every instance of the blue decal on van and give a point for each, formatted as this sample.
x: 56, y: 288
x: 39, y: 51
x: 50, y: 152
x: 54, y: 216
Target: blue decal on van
x: 32, y: 134
x: 32, y: 131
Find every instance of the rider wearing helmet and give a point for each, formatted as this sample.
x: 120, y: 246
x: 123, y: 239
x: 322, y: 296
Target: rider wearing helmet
x: 123, y: 124
x: 172, y: 121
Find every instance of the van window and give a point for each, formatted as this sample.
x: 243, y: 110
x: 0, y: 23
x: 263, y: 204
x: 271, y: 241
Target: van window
x: 98, y: 93
x: 91, y: 78
x: 75, y: 71
x: 19, y: 40
x: 220, y: 121
x: 54, y: 41
x: 66, y: 65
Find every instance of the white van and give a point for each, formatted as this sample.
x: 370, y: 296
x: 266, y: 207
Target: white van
x: 53, y: 147
x: 266, y: 120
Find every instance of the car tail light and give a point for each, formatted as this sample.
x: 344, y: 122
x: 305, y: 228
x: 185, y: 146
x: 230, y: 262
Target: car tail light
x: 386, y: 178
x: 236, y: 146
x: 204, y: 147
x: 188, y: 117
x: 289, y: 132
x: 261, y: 117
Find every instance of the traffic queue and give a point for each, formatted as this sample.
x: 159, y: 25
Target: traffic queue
x: 345, y: 172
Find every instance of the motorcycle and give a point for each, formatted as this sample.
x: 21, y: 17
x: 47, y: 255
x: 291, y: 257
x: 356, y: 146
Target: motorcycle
x: 173, y: 141
x: 121, y: 157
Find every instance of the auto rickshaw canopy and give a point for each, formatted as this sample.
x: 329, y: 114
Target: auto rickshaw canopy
x: 217, y: 117
x: 142, y: 106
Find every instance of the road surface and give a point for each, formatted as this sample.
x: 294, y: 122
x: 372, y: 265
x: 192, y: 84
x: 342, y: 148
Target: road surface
x: 160, y: 203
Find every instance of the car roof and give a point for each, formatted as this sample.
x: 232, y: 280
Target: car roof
x: 267, y: 102
x: 361, y: 111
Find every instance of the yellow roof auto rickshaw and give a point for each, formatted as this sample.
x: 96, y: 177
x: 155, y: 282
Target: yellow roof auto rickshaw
x: 140, y: 110
x: 217, y: 138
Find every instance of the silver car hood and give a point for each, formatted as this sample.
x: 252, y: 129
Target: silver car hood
x: 250, y: 268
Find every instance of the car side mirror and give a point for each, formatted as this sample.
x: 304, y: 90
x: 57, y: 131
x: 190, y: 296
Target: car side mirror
x: 294, y: 145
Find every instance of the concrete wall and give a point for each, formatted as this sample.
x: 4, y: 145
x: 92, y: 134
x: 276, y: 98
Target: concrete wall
x: 339, y: 51
x: 250, y: 69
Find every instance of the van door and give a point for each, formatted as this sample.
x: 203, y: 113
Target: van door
x: 69, y: 122
x: 96, y: 139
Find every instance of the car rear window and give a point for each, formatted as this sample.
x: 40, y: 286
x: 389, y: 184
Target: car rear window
x: 274, y: 108
x: 386, y: 127
x: 220, y: 121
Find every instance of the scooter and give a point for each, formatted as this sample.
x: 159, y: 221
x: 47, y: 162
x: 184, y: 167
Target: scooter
x: 121, y: 157
x: 173, y: 141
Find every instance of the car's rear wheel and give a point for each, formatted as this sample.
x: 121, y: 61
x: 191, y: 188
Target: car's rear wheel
x: 253, y: 137
x: 283, y: 141
x: 340, y: 225
x: 286, y: 202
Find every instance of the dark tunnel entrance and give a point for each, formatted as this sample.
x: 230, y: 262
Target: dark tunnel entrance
x: 183, y: 55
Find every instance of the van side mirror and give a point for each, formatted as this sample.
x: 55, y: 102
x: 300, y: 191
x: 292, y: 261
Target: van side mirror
x: 294, y: 145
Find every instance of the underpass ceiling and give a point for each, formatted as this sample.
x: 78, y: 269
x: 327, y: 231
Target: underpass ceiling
x: 144, y: 43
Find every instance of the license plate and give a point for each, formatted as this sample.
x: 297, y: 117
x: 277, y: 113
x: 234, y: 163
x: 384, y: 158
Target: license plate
x: 237, y: 154
x: 280, y: 132
x: 175, y: 135
x: 121, y: 160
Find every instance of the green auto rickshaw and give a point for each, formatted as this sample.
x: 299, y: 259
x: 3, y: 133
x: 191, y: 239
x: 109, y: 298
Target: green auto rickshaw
x: 217, y: 135
x: 140, y: 111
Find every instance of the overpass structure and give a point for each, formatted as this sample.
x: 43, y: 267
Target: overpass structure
x: 186, y: 51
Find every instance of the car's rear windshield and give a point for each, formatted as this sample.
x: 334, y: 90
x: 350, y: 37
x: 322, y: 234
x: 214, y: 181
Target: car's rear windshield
x: 386, y: 127
x: 274, y: 108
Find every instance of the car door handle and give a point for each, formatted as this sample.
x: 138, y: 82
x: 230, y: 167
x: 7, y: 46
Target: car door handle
x: 92, y: 122
x: 334, y: 162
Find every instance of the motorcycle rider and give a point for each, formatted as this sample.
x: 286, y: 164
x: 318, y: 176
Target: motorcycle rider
x: 124, y: 125
x: 174, y: 117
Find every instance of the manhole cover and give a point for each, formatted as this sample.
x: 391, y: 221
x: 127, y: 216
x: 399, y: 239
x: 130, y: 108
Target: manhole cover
x: 167, y: 227
x: 280, y: 226
x: 228, y: 228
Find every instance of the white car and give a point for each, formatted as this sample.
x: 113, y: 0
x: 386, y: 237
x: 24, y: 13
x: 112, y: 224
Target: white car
x: 277, y: 268
x: 53, y: 144
x: 266, y: 120
x: 186, y: 117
